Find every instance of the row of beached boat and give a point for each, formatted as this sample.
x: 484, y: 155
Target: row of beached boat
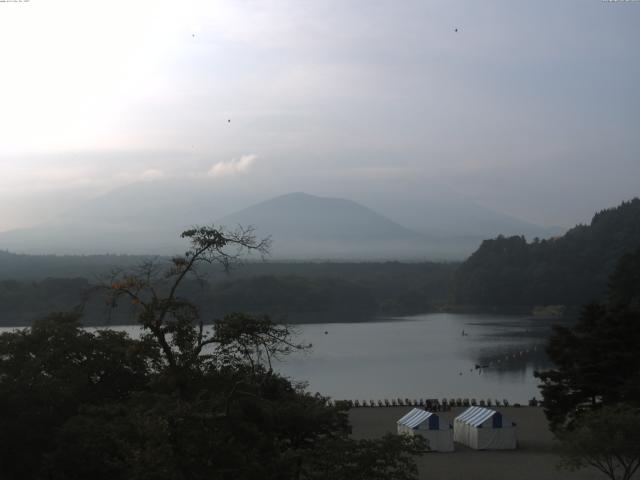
x: 431, y: 404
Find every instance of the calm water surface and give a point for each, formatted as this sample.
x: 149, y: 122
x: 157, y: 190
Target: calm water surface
x: 422, y: 356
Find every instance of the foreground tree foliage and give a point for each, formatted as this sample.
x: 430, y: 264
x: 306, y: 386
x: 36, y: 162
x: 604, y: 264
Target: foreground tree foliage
x: 182, y: 402
x: 390, y: 457
x: 48, y: 372
x: 596, y: 360
x: 607, y: 439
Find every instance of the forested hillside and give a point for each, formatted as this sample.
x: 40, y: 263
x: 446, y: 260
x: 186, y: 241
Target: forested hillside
x: 38, y: 267
x: 295, y: 292
x: 569, y: 270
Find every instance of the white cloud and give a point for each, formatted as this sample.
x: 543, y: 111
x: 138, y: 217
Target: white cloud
x: 233, y: 166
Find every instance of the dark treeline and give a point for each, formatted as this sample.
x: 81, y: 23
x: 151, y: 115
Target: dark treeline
x: 21, y: 302
x: 569, y: 270
x: 38, y: 267
x: 385, y: 287
x: 293, y: 292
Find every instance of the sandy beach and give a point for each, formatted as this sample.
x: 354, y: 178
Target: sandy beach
x: 533, y: 460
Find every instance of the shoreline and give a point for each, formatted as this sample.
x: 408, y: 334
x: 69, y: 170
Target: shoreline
x: 534, y: 459
x: 321, y: 319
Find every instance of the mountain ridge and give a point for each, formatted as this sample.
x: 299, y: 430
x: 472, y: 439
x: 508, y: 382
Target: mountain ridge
x: 147, y: 218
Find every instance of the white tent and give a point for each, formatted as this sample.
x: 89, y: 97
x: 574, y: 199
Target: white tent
x: 439, y: 435
x: 484, y: 429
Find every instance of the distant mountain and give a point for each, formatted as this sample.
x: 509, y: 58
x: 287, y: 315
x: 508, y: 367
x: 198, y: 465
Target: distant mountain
x: 141, y: 218
x: 571, y: 269
x: 302, y: 227
x: 146, y: 218
x: 436, y: 209
x: 307, y: 226
x: 172, y: 204
x: 301, y: 216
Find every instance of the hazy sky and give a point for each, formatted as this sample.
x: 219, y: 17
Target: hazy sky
x: 531, y: 108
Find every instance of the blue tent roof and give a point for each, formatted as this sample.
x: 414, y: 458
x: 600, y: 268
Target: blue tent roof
x: 476, y: 416
x: 416, y: 417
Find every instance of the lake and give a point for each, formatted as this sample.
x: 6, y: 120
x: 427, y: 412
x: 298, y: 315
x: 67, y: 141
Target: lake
x: 421, y: 356
x: 424, y: 356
